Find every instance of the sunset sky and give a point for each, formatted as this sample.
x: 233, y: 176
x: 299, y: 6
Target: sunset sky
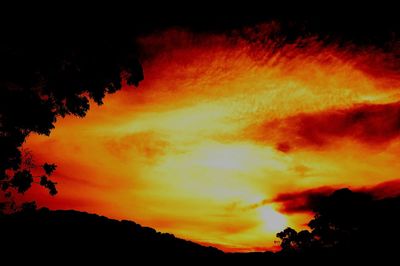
x: 222, y: 127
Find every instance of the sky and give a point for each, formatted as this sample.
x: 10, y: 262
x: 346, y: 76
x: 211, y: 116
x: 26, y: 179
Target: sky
x: 222, y: 129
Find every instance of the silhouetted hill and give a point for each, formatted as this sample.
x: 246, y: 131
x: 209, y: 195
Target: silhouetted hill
x: 45, y: 235
x: 70, y: 237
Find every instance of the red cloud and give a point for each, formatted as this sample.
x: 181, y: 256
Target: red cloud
x: 384, y: 190
x: 304, y: 201
x: 301, y: 201
x: 370, y: 124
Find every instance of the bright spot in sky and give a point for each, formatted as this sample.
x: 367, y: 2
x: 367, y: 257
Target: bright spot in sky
x: 273, y: 220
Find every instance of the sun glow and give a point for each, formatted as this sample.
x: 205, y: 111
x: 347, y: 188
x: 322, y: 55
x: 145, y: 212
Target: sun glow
x: 219, y: 128
x: 273, y: 220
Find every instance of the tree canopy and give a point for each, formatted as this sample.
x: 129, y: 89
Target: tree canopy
x: 347, y: 223
x: 45, y: 75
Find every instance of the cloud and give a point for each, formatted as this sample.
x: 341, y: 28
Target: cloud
x: 301, y: 201
x: 176, y: 155
x: 383, y: 190
x: 306, y: 200
x: 371, y: 124
x: 144, y: 144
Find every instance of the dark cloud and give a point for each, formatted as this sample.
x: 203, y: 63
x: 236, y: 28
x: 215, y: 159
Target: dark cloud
x: 301, y: 201
x: 372, y: 124
x: 383, y: 190
x: 308, y: 200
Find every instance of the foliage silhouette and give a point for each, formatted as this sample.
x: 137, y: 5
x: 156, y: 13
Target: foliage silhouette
x: 45, y: 75
x: 347, y: 224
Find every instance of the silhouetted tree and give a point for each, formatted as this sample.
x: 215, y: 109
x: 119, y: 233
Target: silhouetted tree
x: 291, y: 240
x: 348, y: 223
x: 49, y: 74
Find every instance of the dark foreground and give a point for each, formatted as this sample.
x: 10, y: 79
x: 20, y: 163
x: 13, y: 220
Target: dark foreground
x: 58, y: 237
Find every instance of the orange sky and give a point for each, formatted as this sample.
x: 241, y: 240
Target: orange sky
x: 220, y: 127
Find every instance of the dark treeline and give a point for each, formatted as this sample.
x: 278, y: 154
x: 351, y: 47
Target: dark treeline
x: 347, y: 226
